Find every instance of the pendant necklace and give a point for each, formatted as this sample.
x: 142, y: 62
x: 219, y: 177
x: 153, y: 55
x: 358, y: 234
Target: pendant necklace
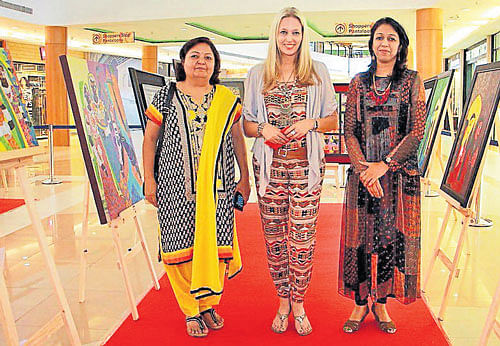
x: 286, y: 100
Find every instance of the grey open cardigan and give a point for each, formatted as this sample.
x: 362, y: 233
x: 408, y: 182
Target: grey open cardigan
x: 320, y: 103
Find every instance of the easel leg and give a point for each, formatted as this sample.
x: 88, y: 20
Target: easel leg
x: 437, y: 247
x: 489, y: 325
x: 454, y: 266
x: 84, y: 251
x: 145, y: 250
x: 49, y: 261
x: 124, y: 270
x: 4, y: 180
x: 8, y: 321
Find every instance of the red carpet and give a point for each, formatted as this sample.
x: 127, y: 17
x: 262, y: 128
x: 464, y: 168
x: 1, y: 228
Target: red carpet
x: 7, y: 204
x: 249, y: 303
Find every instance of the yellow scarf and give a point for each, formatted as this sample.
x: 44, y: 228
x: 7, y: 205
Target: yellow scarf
x: 205, y: 275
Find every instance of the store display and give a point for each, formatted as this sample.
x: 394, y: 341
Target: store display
x: 100, y: 120
x: 436, y: 107
x: 145, y: 86
x: 16, y: 128
x: 473, y: 135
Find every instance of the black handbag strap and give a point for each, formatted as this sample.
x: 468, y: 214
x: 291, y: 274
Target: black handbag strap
x: 159, y: 143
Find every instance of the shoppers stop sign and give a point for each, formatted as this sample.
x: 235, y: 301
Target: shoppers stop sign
x: 352, y: 29
x: 113, y: 37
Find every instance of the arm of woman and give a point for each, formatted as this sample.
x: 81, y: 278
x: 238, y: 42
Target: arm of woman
x: 240, y: 152
x: 409, y: 144
x: 148, y: 158
x: 326, y: 124
x: 350, y: 124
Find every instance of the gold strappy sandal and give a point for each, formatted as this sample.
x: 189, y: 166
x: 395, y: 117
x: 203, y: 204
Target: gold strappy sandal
x: 387, y: 327
x: 351, y: 326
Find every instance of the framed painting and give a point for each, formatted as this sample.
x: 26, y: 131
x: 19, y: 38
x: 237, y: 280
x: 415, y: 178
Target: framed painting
x: 237, y: 86
x: 16, y: 128
x: 145, y: 86
x: 473, y: 135
x: 429, y: 86
x: 436, y: 109
x: 102, y: 128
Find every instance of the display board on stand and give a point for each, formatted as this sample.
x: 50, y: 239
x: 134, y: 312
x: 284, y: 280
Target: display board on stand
x: 18, y: 146
x: 145, y: 86
x: 109, y: 156
x: 16, y: 129
x: 461, y: 182
x: 436, y: 107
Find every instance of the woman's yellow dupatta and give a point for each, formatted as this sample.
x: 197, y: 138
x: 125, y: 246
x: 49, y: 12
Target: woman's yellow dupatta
x: 205, y: 275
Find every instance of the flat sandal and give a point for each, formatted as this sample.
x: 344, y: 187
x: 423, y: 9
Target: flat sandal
x: 301, y: 319
x: 212, y: 321
x: 202, y: 325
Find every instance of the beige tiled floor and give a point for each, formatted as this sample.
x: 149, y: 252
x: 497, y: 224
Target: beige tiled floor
x: 34, y: 303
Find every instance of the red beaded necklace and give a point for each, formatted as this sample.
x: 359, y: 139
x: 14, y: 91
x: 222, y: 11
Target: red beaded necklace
x: 379, y: 98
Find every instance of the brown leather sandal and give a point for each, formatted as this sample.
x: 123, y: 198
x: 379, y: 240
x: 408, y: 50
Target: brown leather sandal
x: 387, y: 327
x: 351, y: 326
x: 203, y: 327
x: 211, y: 320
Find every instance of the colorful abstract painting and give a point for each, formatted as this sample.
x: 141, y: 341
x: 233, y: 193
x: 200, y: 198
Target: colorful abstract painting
x: 473, y: 135
x: 105, y: 140
x: 435, y: 109
x: 16, y: 129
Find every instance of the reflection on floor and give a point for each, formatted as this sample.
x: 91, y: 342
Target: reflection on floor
x: 61, y: 206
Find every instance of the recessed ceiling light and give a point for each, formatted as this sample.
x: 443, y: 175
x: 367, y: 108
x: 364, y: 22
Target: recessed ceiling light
x: 465, y: 9
x: 492, y: 13
x: 212, y: 38
x: 480, y: 22
x: 183, y: 29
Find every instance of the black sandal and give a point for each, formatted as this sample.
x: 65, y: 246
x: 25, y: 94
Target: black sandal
x: 202, y: 325
x: 351, y: 326
x: 212, y: 321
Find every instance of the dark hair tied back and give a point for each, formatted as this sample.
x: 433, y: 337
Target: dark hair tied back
x: 180, y: 73
x: 402, y: 56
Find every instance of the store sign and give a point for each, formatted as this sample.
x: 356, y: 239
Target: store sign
x: 352, y: 29
x: 113, y: 37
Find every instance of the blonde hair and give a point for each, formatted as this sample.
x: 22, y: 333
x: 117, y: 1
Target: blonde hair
x: 304, y: 70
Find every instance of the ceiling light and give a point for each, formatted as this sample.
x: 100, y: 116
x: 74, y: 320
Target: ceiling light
x: 183, y: 29
x: 459, y: 35
x: 492, y: 13
x: 480, y: 22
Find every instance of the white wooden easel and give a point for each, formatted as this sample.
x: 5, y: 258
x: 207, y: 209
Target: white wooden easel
x: 451, y: 265
x: 125, y: 216
x: 17, y: 160
x: 491, y: 324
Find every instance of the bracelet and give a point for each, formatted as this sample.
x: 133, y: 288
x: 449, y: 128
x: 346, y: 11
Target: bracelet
x: 316, y: 125
x: 260, y: 128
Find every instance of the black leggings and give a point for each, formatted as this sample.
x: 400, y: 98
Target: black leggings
x: 363, y: 302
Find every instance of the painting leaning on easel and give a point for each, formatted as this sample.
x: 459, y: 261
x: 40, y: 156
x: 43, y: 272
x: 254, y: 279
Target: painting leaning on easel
x: 105, y: 140
x: 16, y: 129
x: 472, y: 138
x: 435, y: 109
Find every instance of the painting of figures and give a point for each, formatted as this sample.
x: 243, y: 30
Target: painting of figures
x: 473, y: 135
x: 436, y: 107
x: 104, y: 136
x: 16, y: 129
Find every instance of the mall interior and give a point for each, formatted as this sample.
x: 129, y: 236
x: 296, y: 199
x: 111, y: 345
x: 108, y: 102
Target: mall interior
x: 64, y: 281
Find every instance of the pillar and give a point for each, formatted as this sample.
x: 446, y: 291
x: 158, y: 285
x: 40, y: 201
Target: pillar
x: 429, y: 42
x: 57, y: 99
x: 150, y: 59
